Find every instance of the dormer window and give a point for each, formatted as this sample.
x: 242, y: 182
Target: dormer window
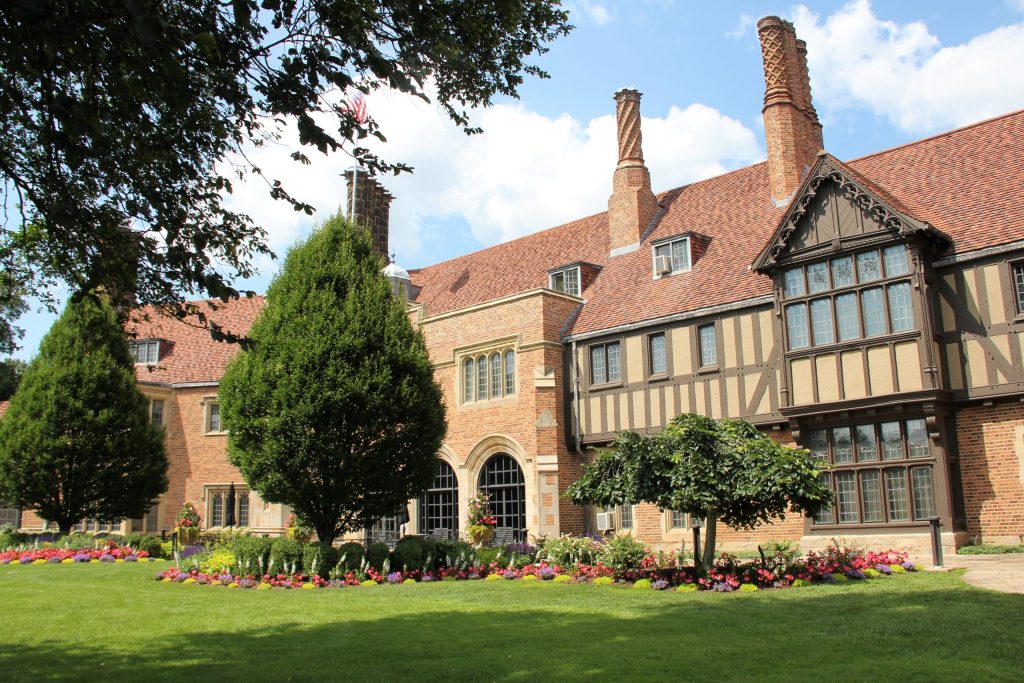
x: 671, y: 256
x: 565, y: 280
x: 848, y: 297
x: 145, y: 351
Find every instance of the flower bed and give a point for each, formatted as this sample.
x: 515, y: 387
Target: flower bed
x: 103, y: 553
x: 836, y: 564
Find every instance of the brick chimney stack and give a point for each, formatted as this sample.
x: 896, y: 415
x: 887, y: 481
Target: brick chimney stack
x: 632, y: 204
x: 791, y: 128
x: 373, y: 208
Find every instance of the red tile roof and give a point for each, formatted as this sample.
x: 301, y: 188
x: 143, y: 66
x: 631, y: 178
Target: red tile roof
x: 188, y: 353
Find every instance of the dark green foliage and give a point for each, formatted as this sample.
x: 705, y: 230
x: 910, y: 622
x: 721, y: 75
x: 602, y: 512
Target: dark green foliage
x: 452, y: 553
x: 990, y: 549
x: 489, y: 554
x: 622, y: 552
x: 334, y: 410
x: 413, y: 552
x: 319, y: 557
x: 377, y: 554
x: 253, y: 553
x: 150, y: 544
x: 11, y: 371
x: 124, y: 114
x: 352, y: 553
x: 76, y: 441
x: 713, y: 469
x: 284, y: 554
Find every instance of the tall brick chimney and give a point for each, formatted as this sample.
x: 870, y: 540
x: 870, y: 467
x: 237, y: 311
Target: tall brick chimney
x: 791, y: 128
x: 373, y: 208
x: 632, y: 204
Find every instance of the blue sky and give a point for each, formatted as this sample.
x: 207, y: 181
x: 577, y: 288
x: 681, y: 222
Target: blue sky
x: 882, y: 74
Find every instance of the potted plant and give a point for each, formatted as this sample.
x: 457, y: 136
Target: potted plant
x: 187, y: 524
x: 481, y: 524
x: 296, y: 531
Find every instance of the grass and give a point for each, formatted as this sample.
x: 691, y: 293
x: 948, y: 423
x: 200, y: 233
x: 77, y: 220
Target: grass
x: 115, y: 622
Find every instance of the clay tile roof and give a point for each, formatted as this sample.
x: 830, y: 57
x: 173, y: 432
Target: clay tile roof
x: 187, y: 352
x: 511, y: 267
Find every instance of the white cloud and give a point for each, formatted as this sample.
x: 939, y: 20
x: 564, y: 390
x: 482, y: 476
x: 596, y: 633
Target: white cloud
x: 903, y: 73
x: 743, y: 24
x: 526, y: 172
x: 1015, y: 5
x: 594, y: 11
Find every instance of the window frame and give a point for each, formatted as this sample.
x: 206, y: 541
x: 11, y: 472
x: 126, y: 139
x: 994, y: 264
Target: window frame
x: 1016, y: 275
x: 481, y: 360
x: 906, y: 463
x: 604, y: 346
x: 668, y: 242
x: 857, y: 287
x: 666, y: 371
x: 135, y: 344
x: 212, y: 490
x: 209, y: 403
x: 699, y: 347
x: 564, y: 272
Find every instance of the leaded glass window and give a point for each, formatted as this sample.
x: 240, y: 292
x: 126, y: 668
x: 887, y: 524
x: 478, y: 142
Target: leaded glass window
x: 846, y: 497
x: 871, y: 496
x: 678, y: 252
x: 873, y: 308
x: 796, y: 326
x: 708, y: 346
x: 496, y: 381
x: 656, y: 346
x: 817, y: 277
x: 510, y: 373
x: 468, y: 377
x: 917, y: 439
x: 439, y: 505
x: 566, y: 280
x: 924, y: 492
x: 896, y: 494
x: 901, y: 311
x: 867, y: 446
x: 502, y: 480
x: 1018, y: 285
x: 625, y: 516
x: 481, y: 378
x: 821, y: 321
x: 849, y: 317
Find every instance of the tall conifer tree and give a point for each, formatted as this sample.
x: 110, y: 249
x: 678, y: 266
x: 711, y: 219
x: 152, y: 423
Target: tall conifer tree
x: 333, y: 410
x: 76, y: 441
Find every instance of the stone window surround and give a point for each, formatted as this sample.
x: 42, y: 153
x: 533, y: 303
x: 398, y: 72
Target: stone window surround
x: 486, y: 350
x: 210, y: 490
x: 208, y: 402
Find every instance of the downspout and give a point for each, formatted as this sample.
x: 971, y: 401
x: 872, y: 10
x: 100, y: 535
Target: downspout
x: 576, y: 424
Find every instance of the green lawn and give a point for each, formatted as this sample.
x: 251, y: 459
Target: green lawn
x: 114, y: 622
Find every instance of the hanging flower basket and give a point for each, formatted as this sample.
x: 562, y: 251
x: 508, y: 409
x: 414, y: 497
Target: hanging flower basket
x: 480, y: 534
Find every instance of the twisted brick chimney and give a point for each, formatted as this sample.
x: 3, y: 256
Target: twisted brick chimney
x: 632, y: 204
x: 373, y: 208
x: 791, y: 128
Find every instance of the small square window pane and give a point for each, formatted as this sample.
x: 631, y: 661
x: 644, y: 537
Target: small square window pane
x: 817, y: 443
x: 481, y: 378
x: 598, y: 372
x: 708, y: 346
x: 1018, y: 284
x: 678, y: 520
x: 468, y: 378
x: 871, y: 495
x: 817, y: 277
x: 510, y: 373
x: 613, y: 362
x: 156, y: 412
x: 868, y: 267
x: 626, y: 516
x: 842, y: 271
x: 796, y: 326
x: 496, y: 382
x: 558, y: 281
x: 924, y: 492
x: 657, y: 354
x: 874, y: 311
x: 243, y: 509
x: 842, y: 446
x: 217, y: 516
x: 896, y: 495
x: 214, y: 417
x: 867, y: 446
x: 793, y: 282
x: 917, y: 439
x: 901, y: 313
x: 896, y: 260
x: 680, y: 255
x: 892, y: 441
x: 826, y: 515
x: 821, y: 321
x: 848, y: 316
x: 663, y: 250
x: 846, y: 497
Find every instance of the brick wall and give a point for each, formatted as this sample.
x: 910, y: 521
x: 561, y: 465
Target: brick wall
x: 991, y: 445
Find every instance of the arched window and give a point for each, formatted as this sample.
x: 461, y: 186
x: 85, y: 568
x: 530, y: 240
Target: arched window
x: 469, y: 373
x: 495, y: 375
x: 439, y: 506
x: 481, y: 378
x: 502, y: 480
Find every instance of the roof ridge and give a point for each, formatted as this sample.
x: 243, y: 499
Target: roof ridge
x: 936, y: 136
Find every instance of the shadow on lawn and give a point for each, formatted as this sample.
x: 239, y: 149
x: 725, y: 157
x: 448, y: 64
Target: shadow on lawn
x: 913, y: 635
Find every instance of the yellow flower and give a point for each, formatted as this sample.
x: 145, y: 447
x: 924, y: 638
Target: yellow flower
x: 308, y: 586
x: 263, y: 587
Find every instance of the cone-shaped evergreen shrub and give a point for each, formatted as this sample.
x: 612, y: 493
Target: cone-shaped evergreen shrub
x: 76, y: 441
x: 333, y: 410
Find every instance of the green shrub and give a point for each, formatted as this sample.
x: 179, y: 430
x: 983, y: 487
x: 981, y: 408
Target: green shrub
x: 352, y: 555
x: 781, y: 553
x: 217, y: 561
x: 568, y: 550
x: 453, y: 553
x: 990, y: 549
x: 253, y: 554
x: 748, y: 588
x: 687, y: 588
x: 167, y: 549
x: 489, y: 554
x: 604, y: 581
x: 413, y: 552
x: 377, y: 554
x: 563, y: 578
x: 623, y: 552
x: 151, y: 545
x: 530, y: 577
x: 285, y: 556
x: 642, y: 584
x: 319, y: 558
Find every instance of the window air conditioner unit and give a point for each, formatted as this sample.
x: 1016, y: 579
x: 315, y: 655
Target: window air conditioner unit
x: 605, y: 521
x: 662, y: 265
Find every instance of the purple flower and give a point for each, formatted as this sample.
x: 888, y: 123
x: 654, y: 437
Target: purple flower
x: 721, y: 587
x: 659, y: 584
x: 395, y: 577
x: 189, y: 551
x: 130, y: 558
x: 855, y: 574
x: 426, y: 577
x: 25, y: 559
x: 82, y: 557
x: 546, y: 573
x: 883, y: 568
x: 909, y: 566
x: 520, y: 549
x: 473, y: 575
x: 201, y: 580
x: 508, y: 574
x: 106, y: 557
x: 54, y: 560
x: 246, y: 583
x: 225, y: 579
x: 6, y: 560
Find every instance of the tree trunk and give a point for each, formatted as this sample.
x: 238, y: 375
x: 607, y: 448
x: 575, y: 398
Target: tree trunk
x: 65, y: 528
x: 710, y: 526
x: 325, y: 534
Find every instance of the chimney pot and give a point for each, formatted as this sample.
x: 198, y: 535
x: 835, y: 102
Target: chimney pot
x: 372, y: 209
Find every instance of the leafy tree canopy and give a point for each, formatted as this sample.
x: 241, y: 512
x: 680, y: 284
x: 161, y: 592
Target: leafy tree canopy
x: 11, y: 371
x: 76, y: 441
x: 124, y: 124
x: 333, y: 409
x: 713, y: 469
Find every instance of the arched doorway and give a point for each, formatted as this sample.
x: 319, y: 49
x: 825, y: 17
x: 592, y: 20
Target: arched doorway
x: 502, y: 480
x: 439, y: 505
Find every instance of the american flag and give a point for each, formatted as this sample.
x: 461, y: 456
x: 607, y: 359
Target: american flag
x: 356, y: 105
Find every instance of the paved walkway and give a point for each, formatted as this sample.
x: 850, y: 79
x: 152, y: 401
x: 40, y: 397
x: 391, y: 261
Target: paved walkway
x: 1003, y: 573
